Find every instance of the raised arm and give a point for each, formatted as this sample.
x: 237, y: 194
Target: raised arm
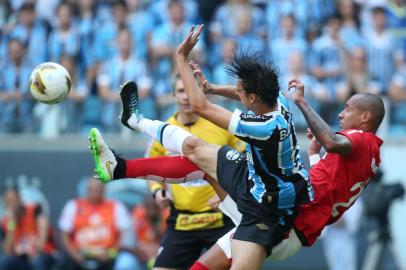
x: 229, y: 91
x: 333, y: 143
x: 199, y: 103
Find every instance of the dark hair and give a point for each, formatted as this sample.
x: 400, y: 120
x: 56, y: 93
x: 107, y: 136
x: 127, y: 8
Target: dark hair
x: 378, y: 9
x: 256, y: 74
x: 27, y: 7
x: 23, y: 43
x: 13, y: 188
x: 119, y: 3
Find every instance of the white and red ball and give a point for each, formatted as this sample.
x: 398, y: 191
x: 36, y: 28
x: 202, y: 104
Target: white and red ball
x: 50, y: 83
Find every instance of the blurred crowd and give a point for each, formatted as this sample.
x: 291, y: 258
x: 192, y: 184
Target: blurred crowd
x: 337, y: 48
x: 93, y: 232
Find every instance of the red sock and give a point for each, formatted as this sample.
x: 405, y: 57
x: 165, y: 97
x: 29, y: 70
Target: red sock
x: 198, y: 266
x: 171, y: 169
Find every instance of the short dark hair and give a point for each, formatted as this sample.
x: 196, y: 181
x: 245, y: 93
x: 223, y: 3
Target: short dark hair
x: 256, y: 74
x: 28, y: 6
x: 378, y: 9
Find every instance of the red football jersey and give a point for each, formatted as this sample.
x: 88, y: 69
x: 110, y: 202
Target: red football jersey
x: 338, y: 181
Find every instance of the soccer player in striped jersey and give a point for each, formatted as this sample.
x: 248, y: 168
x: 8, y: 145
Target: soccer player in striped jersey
x: 268, y: 183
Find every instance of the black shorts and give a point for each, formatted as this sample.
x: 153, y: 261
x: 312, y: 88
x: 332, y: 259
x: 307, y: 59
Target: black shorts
x: 180, y: 249
x: 260, y: 222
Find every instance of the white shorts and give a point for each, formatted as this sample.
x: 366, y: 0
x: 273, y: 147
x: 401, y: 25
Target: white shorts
x: 282, y: 251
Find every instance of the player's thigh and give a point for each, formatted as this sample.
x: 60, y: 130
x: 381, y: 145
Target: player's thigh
x: 247, y: 255
x: 202, y: 154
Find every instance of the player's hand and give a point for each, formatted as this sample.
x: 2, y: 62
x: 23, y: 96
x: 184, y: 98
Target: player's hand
x: 162, y: 198
x: 297, y: 86
x: 314, y: 145
x: 205, y: 85
x: 214, y: 202
x: 189, y: 42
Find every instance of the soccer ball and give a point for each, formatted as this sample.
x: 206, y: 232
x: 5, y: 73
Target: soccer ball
x: 50, y: 83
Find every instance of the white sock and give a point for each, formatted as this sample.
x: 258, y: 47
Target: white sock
x: 229, y: 207
x: 170, y: 136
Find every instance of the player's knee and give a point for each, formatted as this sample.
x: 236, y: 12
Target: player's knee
x: 191, y: 144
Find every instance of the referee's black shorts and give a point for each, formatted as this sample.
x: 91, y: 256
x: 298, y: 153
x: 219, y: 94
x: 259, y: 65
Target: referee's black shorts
x: 180, y: 249
x: 260, y: 222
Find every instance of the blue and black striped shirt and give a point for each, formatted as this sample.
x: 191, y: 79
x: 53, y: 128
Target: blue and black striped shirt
x: 273, y: 156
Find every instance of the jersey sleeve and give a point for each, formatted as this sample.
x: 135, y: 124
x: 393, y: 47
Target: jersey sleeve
x: 358, y: 140
x: 253, y: 129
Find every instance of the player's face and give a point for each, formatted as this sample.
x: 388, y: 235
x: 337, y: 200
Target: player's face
x: 351, y: 116
x: 182, y: 98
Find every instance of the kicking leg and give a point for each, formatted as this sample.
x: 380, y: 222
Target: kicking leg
x: 109, y: 166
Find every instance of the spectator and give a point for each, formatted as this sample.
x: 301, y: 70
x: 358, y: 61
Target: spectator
x: 123, y: 67
x: 27, y: 244
x: 286, y: 44
x: 327, y: 64
x: 31, y: 32
x: 397, y: 95
x: 358, y: 78
x: 348, y: 12
x: 276, y: 9
x: 64, y: 39
x: 165, y: 39
x: 383, y: 51
x: 318, y: 11
x: 87, y: 30
x: 224, y: 24
x: 95, y: 232
x: 228, y: 24
x: 397, y: 21
x: 244, y: 34
x: 105, y: 45
x: 15, y: 99
x: 141, y: 24
x: 161, y: 14
x: 149, y: 225
x: 296, y: 69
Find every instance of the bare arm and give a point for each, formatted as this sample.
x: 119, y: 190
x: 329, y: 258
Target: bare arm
x: 229, y: 91
x: 200, y: 104
x: 333, y: 143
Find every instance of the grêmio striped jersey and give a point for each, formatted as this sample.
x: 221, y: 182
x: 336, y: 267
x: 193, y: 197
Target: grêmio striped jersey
x: 275, y: 168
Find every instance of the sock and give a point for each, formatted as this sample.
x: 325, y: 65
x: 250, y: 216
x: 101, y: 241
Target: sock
x: 198, y: 266
x: 229, y: 207
x: 171, y: 169
x: 170, y: 136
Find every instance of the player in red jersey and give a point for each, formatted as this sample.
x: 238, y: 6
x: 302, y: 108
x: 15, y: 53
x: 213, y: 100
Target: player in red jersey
x: 338, y: 179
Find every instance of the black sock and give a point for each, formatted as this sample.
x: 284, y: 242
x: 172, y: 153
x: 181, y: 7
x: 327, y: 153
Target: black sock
x: 119, y: 171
